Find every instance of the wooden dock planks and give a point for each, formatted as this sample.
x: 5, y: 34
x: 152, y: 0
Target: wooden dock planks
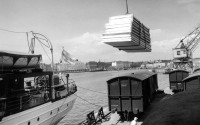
x: 127, y: 33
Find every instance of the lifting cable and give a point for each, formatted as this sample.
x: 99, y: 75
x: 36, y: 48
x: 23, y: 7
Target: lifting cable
x: 127, y: 7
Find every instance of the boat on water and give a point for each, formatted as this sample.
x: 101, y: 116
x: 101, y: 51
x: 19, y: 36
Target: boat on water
x: 29, y: 95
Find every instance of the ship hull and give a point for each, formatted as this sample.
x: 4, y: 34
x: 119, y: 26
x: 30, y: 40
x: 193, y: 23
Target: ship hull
x: 47, y: 114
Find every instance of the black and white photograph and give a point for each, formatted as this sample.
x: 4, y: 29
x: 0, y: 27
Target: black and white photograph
x: 99, y: 62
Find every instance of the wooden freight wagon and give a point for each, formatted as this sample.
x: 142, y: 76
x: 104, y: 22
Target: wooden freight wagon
x: 175, y: 79
x: 192, y: 82
x: 132, y: 92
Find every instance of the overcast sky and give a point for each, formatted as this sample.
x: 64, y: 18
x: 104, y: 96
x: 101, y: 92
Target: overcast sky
x: 77, y: 25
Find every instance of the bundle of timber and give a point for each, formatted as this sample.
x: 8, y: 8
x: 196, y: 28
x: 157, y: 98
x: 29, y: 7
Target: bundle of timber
x: 127, y: 33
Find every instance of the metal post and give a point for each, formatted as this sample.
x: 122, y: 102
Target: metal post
x: 52, y: 59
x: 52, y: 92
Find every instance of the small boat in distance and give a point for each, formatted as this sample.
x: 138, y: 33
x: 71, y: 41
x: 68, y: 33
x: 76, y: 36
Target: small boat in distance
x: 29, y: 95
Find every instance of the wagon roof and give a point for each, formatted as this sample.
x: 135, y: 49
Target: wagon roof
x: 138, y: 75
x: 192, y: 76
x: 178, y: 70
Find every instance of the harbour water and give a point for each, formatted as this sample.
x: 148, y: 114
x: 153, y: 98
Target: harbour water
x: 92, y: 100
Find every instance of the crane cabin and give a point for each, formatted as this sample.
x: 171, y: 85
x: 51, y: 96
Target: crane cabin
x: 180, y: 53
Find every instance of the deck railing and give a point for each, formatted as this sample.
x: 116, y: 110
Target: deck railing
x: 32, y: 98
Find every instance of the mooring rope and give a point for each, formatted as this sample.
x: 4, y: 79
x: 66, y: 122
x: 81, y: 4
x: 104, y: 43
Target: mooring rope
x: 91, y: 90
x: 86, y: 88
x: 87, y: 101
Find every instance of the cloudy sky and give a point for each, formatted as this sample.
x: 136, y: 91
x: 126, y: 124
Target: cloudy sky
x: 77, y: 25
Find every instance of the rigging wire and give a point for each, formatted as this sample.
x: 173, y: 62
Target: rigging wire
x: 34, y: 34
x: 12, y: 31
x: 42, y: 42
x: 43, y: 48
x: 46, y: 39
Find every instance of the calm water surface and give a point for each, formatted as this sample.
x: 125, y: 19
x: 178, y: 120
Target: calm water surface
x: 96, y: 81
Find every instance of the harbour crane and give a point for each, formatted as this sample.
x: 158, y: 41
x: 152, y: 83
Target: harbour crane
x: 183, y: 52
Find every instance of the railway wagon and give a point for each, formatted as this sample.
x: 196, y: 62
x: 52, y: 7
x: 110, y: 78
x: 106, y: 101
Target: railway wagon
x: 132, y: 93
x: 192, y: 81
x: 175, y: 79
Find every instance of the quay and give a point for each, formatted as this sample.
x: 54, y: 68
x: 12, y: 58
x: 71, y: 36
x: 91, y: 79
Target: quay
x: 114, y: 118
x: 128, y: 98
x: 177, y: 104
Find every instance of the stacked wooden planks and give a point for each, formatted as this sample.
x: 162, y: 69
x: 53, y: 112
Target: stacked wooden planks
x: 127, y: 33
